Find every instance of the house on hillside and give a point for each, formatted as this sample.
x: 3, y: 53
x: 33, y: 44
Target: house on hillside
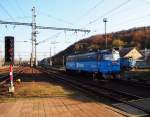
x: 131, y: 52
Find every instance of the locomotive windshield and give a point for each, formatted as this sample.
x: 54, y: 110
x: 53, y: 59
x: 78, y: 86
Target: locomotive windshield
x: 108, y: 57
x: 116, y: 55
x: 112, y: 56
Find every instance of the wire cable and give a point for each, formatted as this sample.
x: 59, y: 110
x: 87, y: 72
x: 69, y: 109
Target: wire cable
x: 19, y: 7
x: 109, y: 12
x: 55, y: 18
x: 137, y: 20
x: 92, y: 8
x: 47, y: 39
x: 5, y: 10
x: 134, y: 19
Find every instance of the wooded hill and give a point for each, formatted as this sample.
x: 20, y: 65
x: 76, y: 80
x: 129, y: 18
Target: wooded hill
x: 135, y: 37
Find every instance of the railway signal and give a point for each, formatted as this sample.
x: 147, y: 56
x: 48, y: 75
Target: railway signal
x: 9, y: 58
x: 9, y: 50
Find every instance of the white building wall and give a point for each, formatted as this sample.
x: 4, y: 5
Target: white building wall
x: 134, y: 54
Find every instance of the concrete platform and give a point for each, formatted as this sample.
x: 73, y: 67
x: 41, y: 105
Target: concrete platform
x: 57, y: 107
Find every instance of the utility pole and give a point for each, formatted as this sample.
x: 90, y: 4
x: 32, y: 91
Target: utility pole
x: 145, y: 53
x: 105, y: 21
x: 34, y: 43
x: 0, y: 57
x: 50, y: 59
x: 54, y: 46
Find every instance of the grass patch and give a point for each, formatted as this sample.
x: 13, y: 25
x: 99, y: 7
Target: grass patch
x: 41, y: 89
x: 5, y: 100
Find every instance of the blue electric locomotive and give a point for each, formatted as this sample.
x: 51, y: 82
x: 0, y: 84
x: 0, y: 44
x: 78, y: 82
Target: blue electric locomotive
x: 103, y: 62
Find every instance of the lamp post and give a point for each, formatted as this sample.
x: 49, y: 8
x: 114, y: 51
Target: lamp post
x: 105, y: 21
x: 50, y: 59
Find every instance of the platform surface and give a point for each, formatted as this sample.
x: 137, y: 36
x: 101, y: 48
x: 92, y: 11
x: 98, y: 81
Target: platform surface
x: 56, y: 107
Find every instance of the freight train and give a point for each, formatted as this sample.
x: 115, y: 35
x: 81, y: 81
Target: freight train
x: 105, y: 63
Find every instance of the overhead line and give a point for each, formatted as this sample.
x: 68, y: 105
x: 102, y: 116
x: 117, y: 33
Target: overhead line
x: 20, y: 8
x: 96, y: 5
x: 44, y: 27
x: 25, y: 17
x: 55, y: 35
x: 135, y: 21
x: 112, y: 10
x: 56, y: 18
x: 5, y: 10
x: 15, y: 23
x: 67, y: 29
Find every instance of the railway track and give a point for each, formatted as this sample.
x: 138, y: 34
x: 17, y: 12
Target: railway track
x: 134, y: 88
x: 97, y: 90
x: 93, y: 86
x: 133, y: 83
x: 6, y: 69
x: 122, y: 80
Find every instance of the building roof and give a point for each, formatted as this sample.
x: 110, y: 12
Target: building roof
x: 124, y: 51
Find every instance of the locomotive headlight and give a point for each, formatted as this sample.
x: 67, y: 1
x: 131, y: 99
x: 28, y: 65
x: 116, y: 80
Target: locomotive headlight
x: 114, y: 62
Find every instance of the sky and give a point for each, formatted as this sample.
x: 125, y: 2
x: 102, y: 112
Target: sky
x: 82, y: 14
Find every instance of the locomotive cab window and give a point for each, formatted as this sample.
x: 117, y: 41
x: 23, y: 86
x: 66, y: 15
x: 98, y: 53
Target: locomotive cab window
x: 71, y: 58
x: 108, y: 57
x: 112, y: 56
x: 87, y: 57
x: 116, y: 55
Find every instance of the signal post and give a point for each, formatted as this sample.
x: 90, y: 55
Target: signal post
x: 9, y: 58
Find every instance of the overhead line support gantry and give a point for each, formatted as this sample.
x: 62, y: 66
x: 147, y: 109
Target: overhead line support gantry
x: 34, y: 32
